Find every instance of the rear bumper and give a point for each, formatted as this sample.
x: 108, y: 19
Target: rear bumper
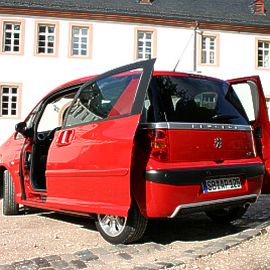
x: 193, y: 176
x: 172, y: 192
x: 203, y: 206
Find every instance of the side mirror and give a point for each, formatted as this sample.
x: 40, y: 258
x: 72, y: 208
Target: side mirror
x: 21, y: 128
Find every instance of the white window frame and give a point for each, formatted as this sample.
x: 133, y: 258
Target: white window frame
x: 80, y: 42
x: 12, y: 32
x: 265, y: 61
x: 82, y: 45
x: 143, y: 55
x: 12, y: 39
x: 209, y: 49
x: 10, y: 95
x: 47, y: 38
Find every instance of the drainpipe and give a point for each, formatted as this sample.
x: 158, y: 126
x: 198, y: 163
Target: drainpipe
x: 195, y: 51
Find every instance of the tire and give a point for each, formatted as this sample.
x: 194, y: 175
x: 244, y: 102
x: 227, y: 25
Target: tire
x: 122, y: 230
x: 226, y: 215
x: 10, y: 207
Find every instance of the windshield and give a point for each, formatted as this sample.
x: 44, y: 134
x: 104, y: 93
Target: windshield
x: 191, y: 99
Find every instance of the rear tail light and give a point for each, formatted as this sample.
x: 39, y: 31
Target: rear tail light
x: 159, y: 144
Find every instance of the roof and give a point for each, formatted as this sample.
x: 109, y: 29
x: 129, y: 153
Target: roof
x: 238, y: 12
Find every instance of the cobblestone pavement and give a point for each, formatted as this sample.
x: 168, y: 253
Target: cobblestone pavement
x: 48, y: 241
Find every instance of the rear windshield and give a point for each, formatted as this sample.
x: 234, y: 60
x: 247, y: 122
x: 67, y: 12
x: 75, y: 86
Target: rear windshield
x: 192, y: 99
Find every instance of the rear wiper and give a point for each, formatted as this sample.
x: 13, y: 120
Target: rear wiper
x: 224, y: 116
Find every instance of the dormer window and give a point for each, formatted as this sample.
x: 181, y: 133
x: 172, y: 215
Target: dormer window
x: 259, y: 7
x: 146, y: 1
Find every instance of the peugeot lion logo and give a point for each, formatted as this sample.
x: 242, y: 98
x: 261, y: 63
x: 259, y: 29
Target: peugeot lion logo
x: 218, y: 143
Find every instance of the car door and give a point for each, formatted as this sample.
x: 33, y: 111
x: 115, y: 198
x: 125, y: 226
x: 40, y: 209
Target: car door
x: 89, y: 161
x: 250, y: 92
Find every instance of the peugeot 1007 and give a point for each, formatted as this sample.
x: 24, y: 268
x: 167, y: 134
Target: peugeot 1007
x: 135, y: 144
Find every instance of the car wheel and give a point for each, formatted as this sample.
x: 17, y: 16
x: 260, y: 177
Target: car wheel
x: 227, y: 214
x: 10, y: 207
x: 122, y: 230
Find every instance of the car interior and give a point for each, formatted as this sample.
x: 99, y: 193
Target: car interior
x: 51, y: 120
x: 191, y: 100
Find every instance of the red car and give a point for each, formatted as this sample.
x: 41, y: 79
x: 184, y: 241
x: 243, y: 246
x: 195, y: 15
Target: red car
x: 133, y: 144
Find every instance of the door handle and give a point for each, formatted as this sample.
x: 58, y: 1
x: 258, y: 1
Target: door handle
x: 65, y: 137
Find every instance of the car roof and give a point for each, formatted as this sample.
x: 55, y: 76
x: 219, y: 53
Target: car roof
x: 82, y: 80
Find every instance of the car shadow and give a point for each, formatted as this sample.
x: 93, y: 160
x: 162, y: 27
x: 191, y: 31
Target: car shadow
x: 187, y: 228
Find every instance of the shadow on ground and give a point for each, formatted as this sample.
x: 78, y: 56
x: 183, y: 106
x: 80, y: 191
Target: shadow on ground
x: 187, y: 228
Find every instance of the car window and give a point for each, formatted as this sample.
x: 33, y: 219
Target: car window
x: 54, y: 112
x: 206, y: 100
x: 193, y: 100
x: 248, y: 95
x: 103, y: 99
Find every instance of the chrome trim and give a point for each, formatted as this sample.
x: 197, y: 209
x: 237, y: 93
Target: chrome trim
x: 193, y: 205
x: 196, y: 126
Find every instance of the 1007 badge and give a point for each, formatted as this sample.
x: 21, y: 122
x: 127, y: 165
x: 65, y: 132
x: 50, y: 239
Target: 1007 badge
x: 221, y: 184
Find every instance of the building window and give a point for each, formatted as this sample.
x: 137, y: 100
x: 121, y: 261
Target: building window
x: 209, y: 50
x: 145, y: 44
x: 46, y: 39
x: 80, y: 40
x: 11, y: 37
x: 9, y: 101
x: 263, y: 54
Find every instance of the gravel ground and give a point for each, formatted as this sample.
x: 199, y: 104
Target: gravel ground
x: 250, y: 255
x: 41, y: 234
x: 67, y: 241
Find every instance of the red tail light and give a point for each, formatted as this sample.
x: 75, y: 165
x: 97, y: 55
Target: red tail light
x: 159, y: 143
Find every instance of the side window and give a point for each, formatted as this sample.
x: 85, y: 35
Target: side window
x: 248, y: 95
x: 54, y: 112
x: 103, y: 99
x: 206, y: 100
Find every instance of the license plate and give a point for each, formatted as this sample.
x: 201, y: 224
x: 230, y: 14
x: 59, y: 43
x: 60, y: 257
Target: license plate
x: 222, y: 184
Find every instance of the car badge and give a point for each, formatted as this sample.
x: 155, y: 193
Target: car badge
x: 218, y: 143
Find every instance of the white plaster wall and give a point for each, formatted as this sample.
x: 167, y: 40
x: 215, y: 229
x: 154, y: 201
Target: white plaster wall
x: 238, y: 59
x: 113, y: 46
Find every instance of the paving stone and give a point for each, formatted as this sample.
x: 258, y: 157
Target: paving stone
x: 190, y: 251
x: 47, y: 268
x: 141, y: 268
x: 100, y: 251
x: 150, y: 255
x: 98, y: 264
x: 52, y: 258
x: 155, y: 246
x: 165, y: 265
x: 60, y: 264
x: 148, y: 267
x: 68, y: 257
x: 86, y: 255
x: 177, y: 262
x: 25, y: 265
x: 208, y: 251
x: 78, y: 264
x: 230, y: 243
x: 22, y: 263
x: 131, y: 251
x: 146, y: 248
x: 41, y: 262
x: 125, y: 256
x: 7, y: 267
x: 110, y: 258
